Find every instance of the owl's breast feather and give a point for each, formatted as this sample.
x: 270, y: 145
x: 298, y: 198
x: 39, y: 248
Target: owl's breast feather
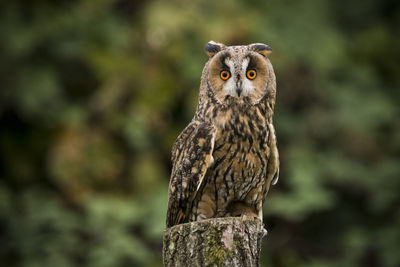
x: 240, y: 153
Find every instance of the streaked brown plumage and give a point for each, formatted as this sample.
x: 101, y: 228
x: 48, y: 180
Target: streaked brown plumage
x: 226, y: 158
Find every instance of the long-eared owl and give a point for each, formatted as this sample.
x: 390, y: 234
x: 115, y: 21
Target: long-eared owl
x: 225, y: 160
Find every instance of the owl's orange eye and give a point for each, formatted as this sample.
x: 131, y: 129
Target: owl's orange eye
x: 251, y: 74
x: 225, y: 75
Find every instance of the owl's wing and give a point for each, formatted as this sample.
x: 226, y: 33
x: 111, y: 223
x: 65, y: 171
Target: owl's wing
x: 273, y: 161
x: 191, y: 156
x: 276, y: 177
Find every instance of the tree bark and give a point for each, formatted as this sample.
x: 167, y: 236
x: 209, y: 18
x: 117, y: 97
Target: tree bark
x: 230, y: 241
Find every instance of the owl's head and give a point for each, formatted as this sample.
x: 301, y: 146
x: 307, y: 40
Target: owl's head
x: 239, y: 73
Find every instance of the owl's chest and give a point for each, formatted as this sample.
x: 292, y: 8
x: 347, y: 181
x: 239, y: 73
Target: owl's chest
x: 240, y: 152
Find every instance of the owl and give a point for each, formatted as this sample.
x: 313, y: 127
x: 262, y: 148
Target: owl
x: 225, y: 160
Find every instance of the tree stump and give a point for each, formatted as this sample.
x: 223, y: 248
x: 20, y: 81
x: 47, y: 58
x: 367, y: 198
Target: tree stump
x: 230, y: 241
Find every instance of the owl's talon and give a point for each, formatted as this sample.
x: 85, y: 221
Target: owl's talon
x: 245, y: 217
x: 248, y: 217
x: 265, y: 232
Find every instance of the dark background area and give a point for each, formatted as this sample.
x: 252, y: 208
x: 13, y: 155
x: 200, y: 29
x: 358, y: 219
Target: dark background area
x: 94, y: 93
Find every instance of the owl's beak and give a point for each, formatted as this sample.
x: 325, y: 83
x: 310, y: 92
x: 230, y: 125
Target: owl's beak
x: 238, y: 90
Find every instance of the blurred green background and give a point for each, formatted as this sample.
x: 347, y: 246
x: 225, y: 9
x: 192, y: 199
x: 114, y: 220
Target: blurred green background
x: 94, y: 93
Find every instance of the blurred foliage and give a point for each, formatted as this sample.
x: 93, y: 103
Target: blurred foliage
x: 94, y: 93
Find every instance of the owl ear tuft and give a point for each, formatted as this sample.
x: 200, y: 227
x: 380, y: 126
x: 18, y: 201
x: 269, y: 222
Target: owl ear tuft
x: 212, y: 48
x: 263, y: 49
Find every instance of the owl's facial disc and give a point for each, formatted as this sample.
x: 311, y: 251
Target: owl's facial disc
x: 241, y: 75
x: 238, y: 85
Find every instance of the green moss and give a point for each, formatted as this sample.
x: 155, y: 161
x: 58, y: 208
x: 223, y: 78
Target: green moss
x: 237, y: 244
x: 171, y: 246
x: 217, y: 252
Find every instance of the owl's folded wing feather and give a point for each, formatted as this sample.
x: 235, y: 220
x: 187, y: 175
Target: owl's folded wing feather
x: 191, y: 156
x: 273, y: 161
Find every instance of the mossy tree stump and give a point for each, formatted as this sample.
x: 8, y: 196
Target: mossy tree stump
x: 230, y: 241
